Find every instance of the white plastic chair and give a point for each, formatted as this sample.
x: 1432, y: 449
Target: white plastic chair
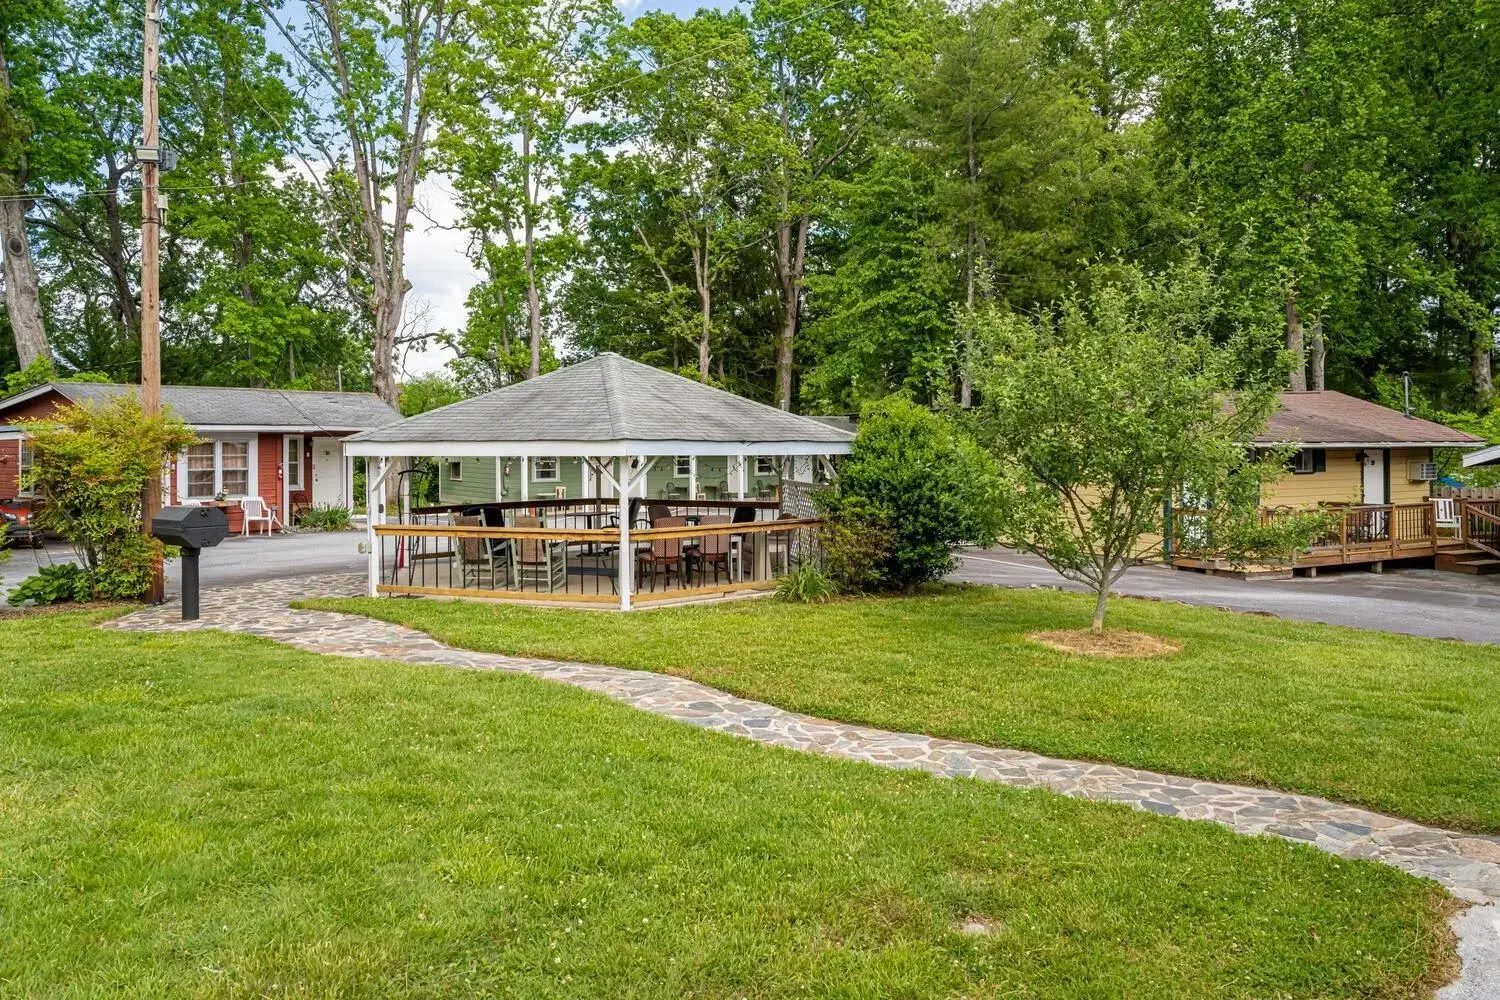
x: 256, y: 511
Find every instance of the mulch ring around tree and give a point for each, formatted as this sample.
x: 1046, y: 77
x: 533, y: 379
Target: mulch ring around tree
x: 1110, y: 643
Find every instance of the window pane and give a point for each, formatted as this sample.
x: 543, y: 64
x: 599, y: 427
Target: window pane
x: 236, y: 459
x: 546, y: 468
x: 294, y: 463
x: 684, y: 466
x: 200, y: 471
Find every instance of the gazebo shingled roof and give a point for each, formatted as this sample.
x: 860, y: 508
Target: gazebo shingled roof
x: 607, y: 405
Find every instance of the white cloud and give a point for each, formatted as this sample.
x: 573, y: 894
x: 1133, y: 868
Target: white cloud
x: 438, y: 267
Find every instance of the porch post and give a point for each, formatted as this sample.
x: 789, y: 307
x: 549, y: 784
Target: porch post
x: 525, y: 495
x: 374, y: 479
x: 743, y: 474
x: 692, y: 477
x: 625, y: 568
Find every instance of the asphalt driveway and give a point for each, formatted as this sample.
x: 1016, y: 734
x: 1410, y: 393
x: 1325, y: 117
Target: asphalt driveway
x: 1420, y: 602
x: 234, y: 561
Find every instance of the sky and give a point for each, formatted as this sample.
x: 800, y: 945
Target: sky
x: 437, y: 251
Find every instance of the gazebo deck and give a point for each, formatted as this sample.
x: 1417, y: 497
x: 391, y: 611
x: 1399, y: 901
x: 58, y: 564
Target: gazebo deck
x: 572, y: 555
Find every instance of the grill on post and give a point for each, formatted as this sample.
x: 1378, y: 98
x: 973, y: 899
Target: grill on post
x: 190, y: 529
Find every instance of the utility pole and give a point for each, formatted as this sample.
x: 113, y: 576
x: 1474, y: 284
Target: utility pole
x: 150, y: 157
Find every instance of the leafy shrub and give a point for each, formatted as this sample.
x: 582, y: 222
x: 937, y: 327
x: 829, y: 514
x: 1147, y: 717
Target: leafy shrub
x: 928, y: 483
x: 92, y: 464
x: 325, y: 517
x: 857, y: 543
x: 808, y: 584
x: 53, y: 585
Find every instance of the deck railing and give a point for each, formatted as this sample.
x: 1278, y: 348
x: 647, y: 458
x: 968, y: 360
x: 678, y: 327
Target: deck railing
x: 562, y: 562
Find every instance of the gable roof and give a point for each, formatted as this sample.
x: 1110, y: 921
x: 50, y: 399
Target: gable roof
x: 225, y: 406
x: 606, y: 400
x: 1330, y: 419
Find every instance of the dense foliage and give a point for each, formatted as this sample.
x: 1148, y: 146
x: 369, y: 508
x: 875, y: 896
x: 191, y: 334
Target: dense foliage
x: 91, y: 467
x: 795, y: 200
x: 913, y: 489
x: 53, y: 585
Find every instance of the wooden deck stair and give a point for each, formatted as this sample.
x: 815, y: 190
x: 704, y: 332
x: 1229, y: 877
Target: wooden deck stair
x: 1475, y: 562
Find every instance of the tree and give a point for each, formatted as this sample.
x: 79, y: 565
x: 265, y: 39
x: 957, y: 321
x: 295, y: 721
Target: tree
x: 515, y: 79
x: 1112, y: 407
x: 374, y: 62
x: 23, y: 27
x: 696, y: 135
x: 91, y: 464
x: 829, y: 72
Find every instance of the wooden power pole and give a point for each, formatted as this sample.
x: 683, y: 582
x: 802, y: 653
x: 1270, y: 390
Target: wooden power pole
x: 150, y: 158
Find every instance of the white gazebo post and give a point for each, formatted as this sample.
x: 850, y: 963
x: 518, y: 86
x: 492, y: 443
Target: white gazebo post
x: 625, y: 568
x: 692, y: 477
x: 374, y: 514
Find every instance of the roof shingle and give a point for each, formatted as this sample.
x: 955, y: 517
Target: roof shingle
x: 1332, y: 418
x: 607, y: 398
x: 222, y: 406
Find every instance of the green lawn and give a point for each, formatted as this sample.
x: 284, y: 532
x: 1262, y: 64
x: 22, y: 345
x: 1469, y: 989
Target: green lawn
x: 1407, y: 726
x: 213, y: 815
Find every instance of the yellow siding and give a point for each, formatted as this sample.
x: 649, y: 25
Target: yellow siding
x: 1403, y: 490
x: 1343, y: 481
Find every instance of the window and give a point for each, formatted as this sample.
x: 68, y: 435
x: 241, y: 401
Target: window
x: 294, y: 463
x: 234, y: 468
x: 23, y: 471
x: 544, y: 470
x: 456, y: 470
x: 765, y: 466
x: 1308, y: 461
x: 200, y: 471
x: 684, y: 466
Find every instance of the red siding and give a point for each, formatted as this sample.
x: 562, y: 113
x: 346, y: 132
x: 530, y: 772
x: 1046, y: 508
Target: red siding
x: 10, y: 467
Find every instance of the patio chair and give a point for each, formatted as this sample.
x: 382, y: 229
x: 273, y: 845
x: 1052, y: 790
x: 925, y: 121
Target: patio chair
x: 655, y: 512
x: 665, y: 555
x: 474, y: 561
x: 538, y: 559
x: 1445, y: 512
x: 257, y: 512
x: 497, y: 549
x: 716, y: 550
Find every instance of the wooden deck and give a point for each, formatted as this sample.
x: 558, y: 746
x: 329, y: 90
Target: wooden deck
x: 1375, y: 534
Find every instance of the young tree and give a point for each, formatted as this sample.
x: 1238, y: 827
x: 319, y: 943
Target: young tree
x: 1106, y: 411
x: 91, y: 464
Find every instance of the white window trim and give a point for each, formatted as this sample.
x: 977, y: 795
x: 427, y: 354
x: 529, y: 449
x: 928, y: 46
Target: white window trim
x: 765, y: 465
x: 252, y: 460
x: 297, y: 466
x: 536, y: 469
x: 682, y: 467
x: 23, y: 446
x: 457, y: 463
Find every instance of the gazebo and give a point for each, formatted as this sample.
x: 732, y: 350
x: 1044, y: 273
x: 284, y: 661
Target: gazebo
x: 615, y: 544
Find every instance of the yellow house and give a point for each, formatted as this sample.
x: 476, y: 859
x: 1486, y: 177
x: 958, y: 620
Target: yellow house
x: 1376, y: 464
x: 1352, y: 451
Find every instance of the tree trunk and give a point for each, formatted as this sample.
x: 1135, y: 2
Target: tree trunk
x: 23, y: 301
x: 1317, y: 356
x: 1481, y: 379
x: 705, y: 310
x: 1101, y: 604
x: 22, y: 291
x: 965, y: 383
x: 1298, y: 380
x: 533, y: 299
x: 791, y: 250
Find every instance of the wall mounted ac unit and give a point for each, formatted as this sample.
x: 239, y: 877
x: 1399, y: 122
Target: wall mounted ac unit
x: 1422, y: 472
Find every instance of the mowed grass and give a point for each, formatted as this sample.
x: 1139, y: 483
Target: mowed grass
x: 1407, y: 726
x: 211, y: 815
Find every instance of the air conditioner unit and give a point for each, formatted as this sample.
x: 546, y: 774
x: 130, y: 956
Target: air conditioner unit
x: 1422, y: 472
